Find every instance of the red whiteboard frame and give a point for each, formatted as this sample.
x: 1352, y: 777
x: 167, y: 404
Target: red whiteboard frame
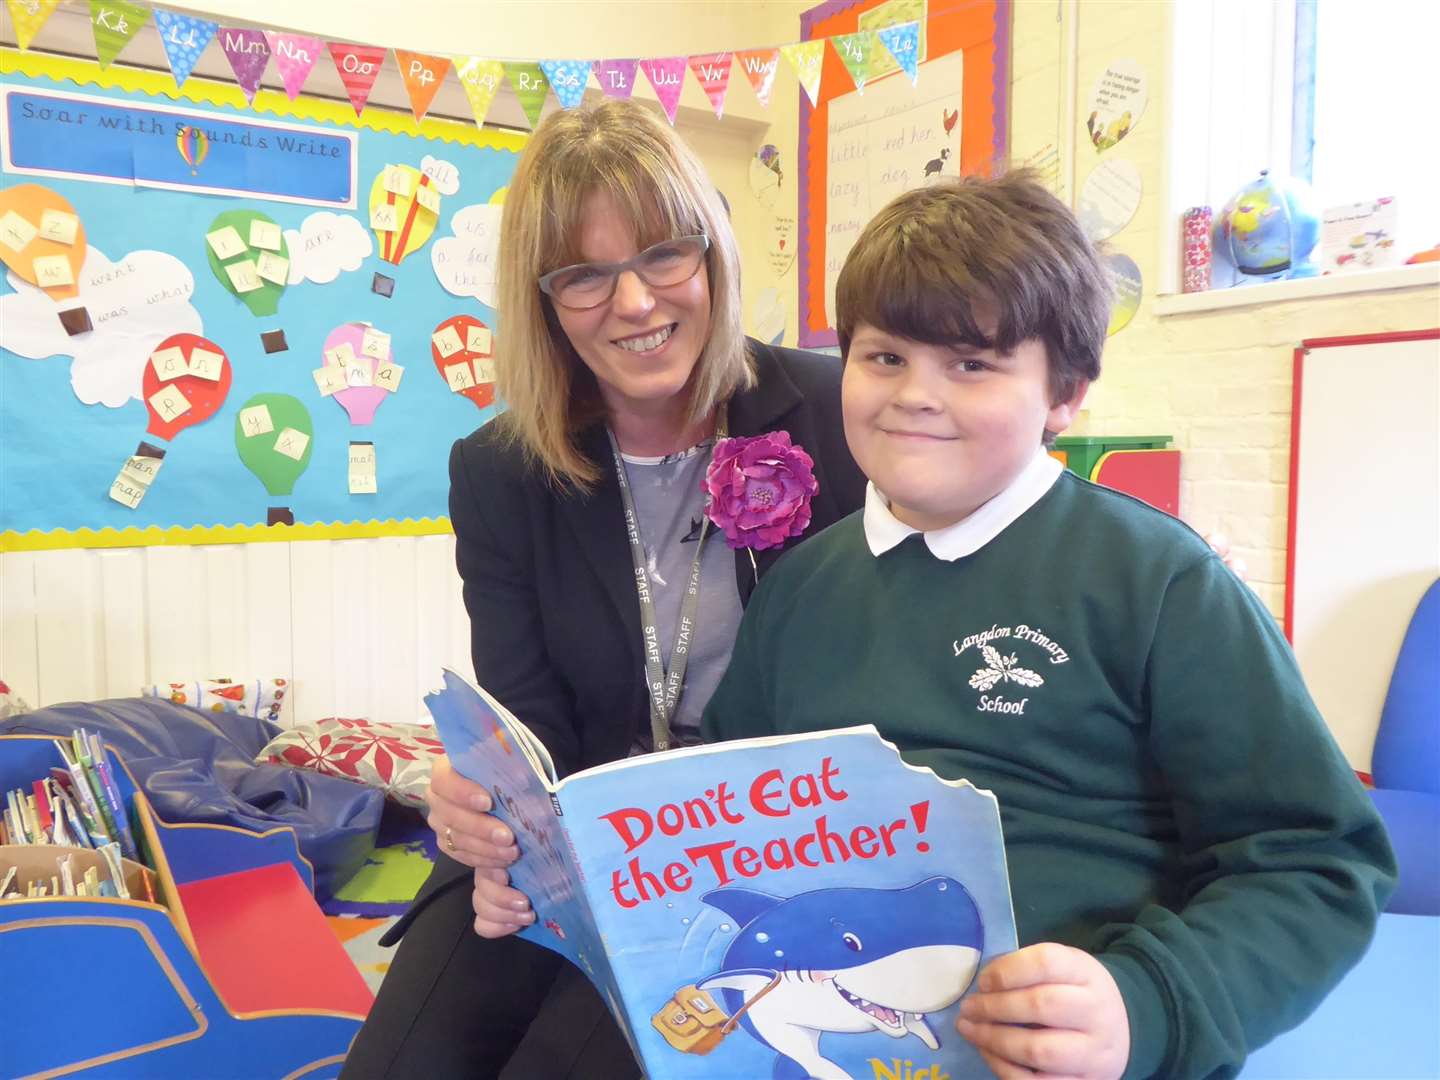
x: 1296, y: 392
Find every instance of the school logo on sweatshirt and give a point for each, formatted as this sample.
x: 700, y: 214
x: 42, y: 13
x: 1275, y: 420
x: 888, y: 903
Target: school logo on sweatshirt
x: 1002, y: 668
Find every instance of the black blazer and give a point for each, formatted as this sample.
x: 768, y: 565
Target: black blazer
x: 555, y: 622
x: 548, y: 583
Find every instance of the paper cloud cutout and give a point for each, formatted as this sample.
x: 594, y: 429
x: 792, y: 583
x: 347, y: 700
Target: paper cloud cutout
x: 465, y: 263
x: 444, y: 177
x: 134, y: 304
x: 326, y: 244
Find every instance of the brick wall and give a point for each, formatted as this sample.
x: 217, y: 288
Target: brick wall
x: 1219, y: 381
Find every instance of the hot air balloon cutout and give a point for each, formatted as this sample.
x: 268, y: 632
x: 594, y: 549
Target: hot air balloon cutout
x: 464, y: 354
x: 359, y: 370
x: 43, y: 242
x: 186, y: 380
x: 194, y: 146
x: 249, y: 257
x: 273, y: 436
x: 404, y: 209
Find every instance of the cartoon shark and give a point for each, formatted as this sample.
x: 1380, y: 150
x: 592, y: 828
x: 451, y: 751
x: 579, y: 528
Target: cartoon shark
x: 845, y: 960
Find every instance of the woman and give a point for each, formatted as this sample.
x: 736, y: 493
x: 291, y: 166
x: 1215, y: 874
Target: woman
x: 621, y: 356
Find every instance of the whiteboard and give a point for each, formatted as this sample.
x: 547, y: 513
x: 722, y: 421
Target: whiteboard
x: 1364, y: 518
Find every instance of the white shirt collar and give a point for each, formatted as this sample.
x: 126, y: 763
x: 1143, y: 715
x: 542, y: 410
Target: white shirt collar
x: 883, y: 530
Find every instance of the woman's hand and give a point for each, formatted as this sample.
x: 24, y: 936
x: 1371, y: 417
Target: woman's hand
x: 460, y: 817
x: 1050, y: 1011
x: 499, y: 909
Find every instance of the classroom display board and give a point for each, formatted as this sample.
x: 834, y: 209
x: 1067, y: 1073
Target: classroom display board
x: 218, y: 315
x: 1364, y: 518
x: 862, y: 143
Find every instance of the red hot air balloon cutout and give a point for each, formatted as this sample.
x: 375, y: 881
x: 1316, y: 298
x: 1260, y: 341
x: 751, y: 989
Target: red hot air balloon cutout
x: 464, y: 353
x: 185, y: 382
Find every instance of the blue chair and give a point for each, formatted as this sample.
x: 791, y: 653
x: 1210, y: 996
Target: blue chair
x: 1406, y: 762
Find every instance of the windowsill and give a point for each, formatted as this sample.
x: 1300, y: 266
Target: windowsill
x: 1361, y: 281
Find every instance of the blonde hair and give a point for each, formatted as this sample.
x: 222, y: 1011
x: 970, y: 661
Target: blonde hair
x: 656, y: 181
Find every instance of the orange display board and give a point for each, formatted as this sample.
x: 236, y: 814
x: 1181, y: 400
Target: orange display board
x: 979, y: 28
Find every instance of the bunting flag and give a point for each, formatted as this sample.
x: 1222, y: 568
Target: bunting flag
x: 530, y: 86
x: 667, y: 76
x: 248, y: 51
x: 358, y: 66
x: 903, y: 42
x: 185, y: 38
x: 712, y: 72
x: 29, y: 17
x: 616, y: 77
x: 422, y: 76
x: 805, y: 57
x: 480, y: 79
x: 114, y: 23
x: 759, y: 66
x: 567, y: 79
x: 248, y: 54
x: 854, y: 52
x: 295, y: 55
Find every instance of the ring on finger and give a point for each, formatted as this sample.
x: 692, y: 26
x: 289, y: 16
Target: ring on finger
x: 449, y: 839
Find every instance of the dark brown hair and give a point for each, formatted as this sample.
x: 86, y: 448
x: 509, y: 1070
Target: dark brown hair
x: 1005, y: 246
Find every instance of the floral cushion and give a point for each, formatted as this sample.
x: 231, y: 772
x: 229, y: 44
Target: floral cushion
x: 396, y: 758
x: 260, y: 698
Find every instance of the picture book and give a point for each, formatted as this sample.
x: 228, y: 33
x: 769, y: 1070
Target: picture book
x: 795, y: 906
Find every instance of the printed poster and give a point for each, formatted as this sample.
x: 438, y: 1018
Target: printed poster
x: 888, y: 140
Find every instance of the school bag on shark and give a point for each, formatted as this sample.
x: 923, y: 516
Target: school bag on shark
x: 789, y: 907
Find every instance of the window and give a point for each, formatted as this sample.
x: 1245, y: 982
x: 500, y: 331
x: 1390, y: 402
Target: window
x: 1338, y: 92
x: 1374, y: 102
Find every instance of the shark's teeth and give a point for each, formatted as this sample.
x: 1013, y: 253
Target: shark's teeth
x: 887, y: 1016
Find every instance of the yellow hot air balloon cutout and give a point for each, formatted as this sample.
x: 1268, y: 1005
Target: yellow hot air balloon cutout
x: 404, y: 209
x: 42, y: 239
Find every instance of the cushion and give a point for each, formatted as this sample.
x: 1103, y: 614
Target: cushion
x: 260, y: 698
x: 396, y: 758
x: 10, y: 703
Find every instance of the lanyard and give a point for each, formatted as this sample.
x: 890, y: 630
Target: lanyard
x: 664, y: 686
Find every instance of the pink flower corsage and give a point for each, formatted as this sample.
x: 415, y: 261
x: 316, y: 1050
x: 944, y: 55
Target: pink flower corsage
x: 759, y: 489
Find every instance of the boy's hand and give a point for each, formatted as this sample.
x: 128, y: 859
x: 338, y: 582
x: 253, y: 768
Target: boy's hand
x: 1077, y: 1021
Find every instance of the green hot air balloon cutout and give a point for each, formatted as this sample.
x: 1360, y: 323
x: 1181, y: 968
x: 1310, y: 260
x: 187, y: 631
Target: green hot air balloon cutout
x: 273, y: 435
x: 248, y: 255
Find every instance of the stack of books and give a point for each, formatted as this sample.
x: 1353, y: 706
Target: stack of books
x: 79, y: 807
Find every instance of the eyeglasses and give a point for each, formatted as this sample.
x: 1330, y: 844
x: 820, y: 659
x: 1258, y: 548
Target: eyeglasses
x: 588, y: 285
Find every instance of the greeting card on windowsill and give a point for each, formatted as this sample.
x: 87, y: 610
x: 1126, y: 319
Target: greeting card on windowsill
x: 1359, y: 236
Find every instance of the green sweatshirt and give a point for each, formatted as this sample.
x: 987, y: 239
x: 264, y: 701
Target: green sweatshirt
x: 1171, y: 799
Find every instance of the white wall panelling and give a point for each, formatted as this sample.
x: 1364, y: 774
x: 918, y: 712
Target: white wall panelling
x: 359, y: 627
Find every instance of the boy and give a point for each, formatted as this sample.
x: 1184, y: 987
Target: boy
x: 1184, y: 839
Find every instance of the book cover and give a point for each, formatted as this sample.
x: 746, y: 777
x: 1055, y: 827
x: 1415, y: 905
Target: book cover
x: 796, y: 906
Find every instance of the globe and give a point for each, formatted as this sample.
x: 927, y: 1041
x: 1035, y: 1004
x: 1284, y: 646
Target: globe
x: 1265, y: 232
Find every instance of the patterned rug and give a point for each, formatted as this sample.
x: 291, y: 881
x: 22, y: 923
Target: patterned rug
x: 379, y: 893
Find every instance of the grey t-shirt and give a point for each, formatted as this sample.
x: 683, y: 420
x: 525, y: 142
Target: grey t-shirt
x: 670, y: 507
